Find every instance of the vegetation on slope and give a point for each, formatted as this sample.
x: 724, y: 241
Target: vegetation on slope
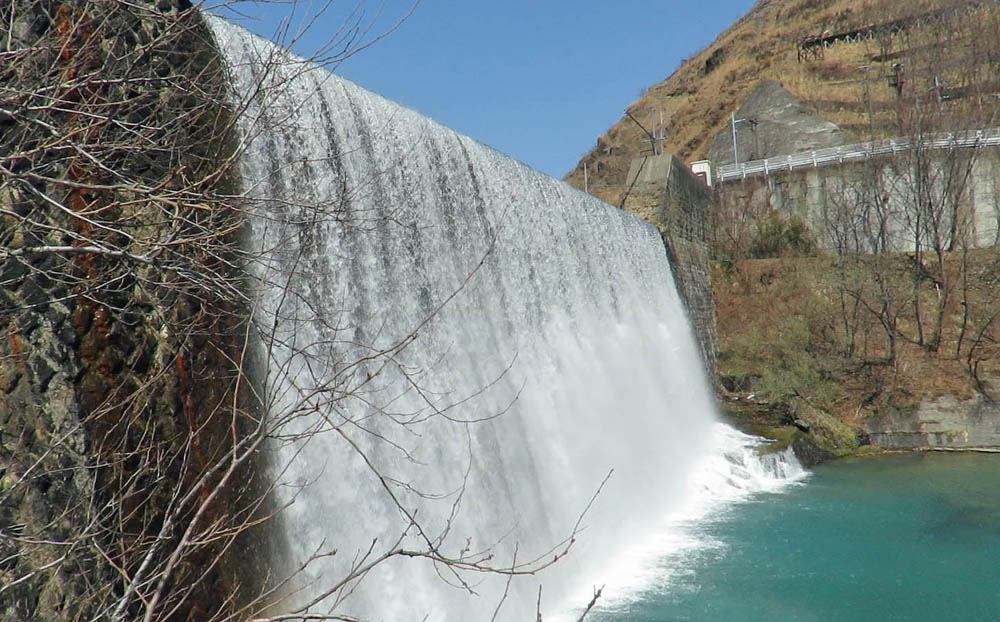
x: 804, y: 337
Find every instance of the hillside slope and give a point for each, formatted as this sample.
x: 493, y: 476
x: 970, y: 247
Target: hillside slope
x: 946, y: 49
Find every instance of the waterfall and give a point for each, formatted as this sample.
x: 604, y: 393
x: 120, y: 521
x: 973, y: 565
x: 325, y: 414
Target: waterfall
x: 453, y: 336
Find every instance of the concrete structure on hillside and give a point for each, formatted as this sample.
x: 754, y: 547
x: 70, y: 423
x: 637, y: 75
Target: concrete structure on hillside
x: 663, y: 191
x: 703, y: 170
x: 882, y: 196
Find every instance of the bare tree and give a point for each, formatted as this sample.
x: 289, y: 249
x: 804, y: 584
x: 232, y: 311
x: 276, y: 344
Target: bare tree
x: 133, y: 477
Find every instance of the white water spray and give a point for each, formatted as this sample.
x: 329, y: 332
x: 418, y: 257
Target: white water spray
x: 467, y: 341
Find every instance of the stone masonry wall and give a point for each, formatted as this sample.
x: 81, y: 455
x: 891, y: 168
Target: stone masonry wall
x: 113, y: 357
x: 664, y: 192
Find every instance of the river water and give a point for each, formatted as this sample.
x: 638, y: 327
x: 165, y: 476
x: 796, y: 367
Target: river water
x: 912, y: 537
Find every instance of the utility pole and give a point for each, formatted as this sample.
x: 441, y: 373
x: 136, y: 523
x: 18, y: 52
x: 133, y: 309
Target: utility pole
x: 662, y: 139
x: 649, y: 135
x: 652, y: 124
x: 736, y: 155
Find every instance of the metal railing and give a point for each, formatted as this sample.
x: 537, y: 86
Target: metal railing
x: 857, y: 151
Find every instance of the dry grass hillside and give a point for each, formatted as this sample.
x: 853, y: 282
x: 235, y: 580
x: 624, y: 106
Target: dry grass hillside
x: 948, y: 51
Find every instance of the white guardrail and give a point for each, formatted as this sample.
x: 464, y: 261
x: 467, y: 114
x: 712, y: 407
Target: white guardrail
x: 858, y: 151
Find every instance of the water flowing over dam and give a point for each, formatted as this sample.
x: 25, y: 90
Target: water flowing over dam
x: 461, y: 349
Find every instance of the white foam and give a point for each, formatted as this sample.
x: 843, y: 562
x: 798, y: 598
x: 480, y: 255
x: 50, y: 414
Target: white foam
x: 732, y: 472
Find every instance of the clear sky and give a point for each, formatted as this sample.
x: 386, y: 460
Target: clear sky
x: 539, y: 80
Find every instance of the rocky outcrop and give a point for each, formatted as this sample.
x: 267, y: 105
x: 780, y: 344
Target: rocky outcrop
x: 662, y: 191
x: 773, y: 122
x: 814, y: 435
x: 944, y: 422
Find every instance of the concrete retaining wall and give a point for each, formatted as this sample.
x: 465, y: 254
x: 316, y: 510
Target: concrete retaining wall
x: 872, y: 205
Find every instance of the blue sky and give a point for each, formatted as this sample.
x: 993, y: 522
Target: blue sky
x: 539, y: 80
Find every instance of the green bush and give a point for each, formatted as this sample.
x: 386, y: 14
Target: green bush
x: 778, y: 236
x: 785, y: 363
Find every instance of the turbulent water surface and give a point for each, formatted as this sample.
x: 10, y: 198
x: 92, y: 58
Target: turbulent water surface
x: 897, y: 538
x: 460, y: 341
